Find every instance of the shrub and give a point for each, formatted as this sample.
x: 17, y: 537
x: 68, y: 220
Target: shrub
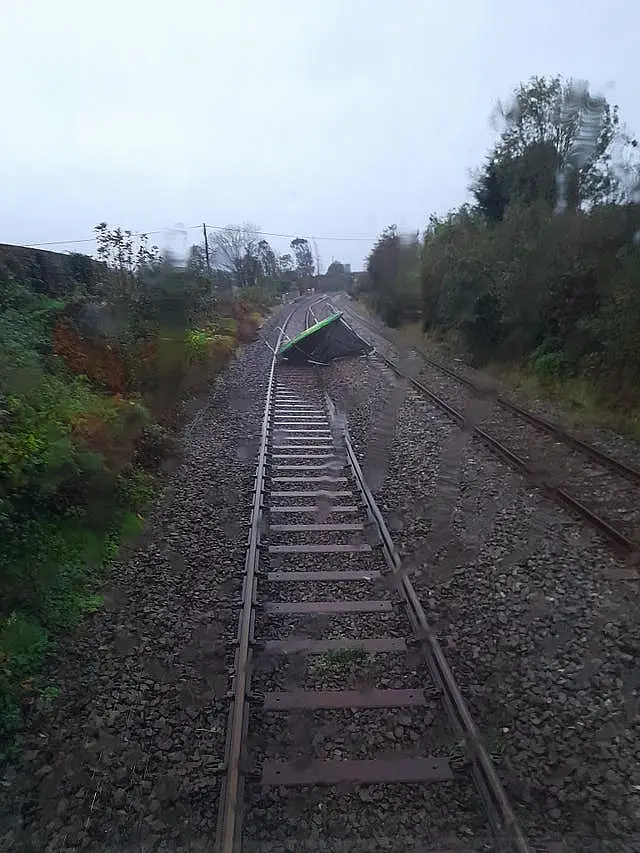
x: 88, y: 389
x: 558, y: 290
x: 155, y: 443
x: 256, y: 298
x: 135, y: 488
x: 23, y: 644
x: 549, y: 365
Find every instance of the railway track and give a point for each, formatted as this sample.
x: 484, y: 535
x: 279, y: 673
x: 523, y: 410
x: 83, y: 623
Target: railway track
x: 335, y: 657
x: 598, y: 487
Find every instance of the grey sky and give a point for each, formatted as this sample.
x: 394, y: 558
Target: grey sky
x: 314, y: 117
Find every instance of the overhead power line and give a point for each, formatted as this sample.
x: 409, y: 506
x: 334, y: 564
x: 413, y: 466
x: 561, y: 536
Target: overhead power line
x: 337, y: 237
x: 308, y: 236
x: 93, y: 239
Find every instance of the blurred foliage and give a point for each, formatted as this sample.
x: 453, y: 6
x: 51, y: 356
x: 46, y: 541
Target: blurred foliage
x: 237, y: 258
x: 338, y: 277
x: 543, y: 269
x: 96, y: 358
x: 559, y: 144
x: 391, y: 285
x: 560, y: 291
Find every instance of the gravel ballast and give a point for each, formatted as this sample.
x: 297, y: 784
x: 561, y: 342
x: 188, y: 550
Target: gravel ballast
x: 372, y: 816
x: 538, y: 620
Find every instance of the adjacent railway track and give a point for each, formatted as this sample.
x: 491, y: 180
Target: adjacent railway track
x: 598, y: 487
x: 323, y: 584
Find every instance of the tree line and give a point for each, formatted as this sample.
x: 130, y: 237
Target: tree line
x: 542, y: 266
x: 237, y: 256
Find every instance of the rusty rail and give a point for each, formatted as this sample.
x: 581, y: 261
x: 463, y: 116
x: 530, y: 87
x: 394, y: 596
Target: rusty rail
x: 285, y: 407
x: 545, y: 424
x: 618, y: 539
x: 499, y: 812
x: 232, y: 786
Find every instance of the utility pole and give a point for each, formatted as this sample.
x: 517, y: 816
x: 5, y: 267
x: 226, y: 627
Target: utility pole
x: 206, y: 247
x: 315, y: 246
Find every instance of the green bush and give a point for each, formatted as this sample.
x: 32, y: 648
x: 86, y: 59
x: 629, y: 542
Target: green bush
x: 23, y: 644
x: 259, y: 297
x: 84, y: 363
x: 536, y: 278
x: 198, y: 343
x: 155, y: 443
x: 136, y: 487
x: 550, y: 365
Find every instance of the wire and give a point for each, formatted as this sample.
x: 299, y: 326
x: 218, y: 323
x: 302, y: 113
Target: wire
x: 93, y: 239
x: 339, y: 238
x: 58, y: 243
x: 293, y: 236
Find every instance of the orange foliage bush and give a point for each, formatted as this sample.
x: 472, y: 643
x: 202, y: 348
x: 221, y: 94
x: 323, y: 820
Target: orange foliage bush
x: 161, y: 370
x: 143, y: 364
x: 101, y: 363
x: 247, y: 321
x: 92, y: 433
x: 112, y: 437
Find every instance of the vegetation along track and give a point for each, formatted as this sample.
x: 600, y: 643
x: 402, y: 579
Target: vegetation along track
x: 590, y: 482
x: 346, y: 727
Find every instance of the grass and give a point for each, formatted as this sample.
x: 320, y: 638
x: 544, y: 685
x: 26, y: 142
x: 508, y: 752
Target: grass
x: 361, y: 307
x: 68, y: 566
x: 578, y: 400
x: 494, y: 742
x: 339, y: 661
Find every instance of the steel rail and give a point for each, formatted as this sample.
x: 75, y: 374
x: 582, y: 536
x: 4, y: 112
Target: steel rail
x: 557, y: 493
x: 309, y: 317
x: 233, y: 783
x: 501, y: 816
x: 552, y: 428
x: 621, y: 542
x: 230, y: 815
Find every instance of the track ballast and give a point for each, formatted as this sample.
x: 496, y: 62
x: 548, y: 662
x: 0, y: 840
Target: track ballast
x: 343, y: 707
x: 594, y: 485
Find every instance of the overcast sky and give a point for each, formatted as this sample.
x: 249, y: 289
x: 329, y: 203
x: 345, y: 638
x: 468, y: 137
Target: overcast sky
x: 310, y: 117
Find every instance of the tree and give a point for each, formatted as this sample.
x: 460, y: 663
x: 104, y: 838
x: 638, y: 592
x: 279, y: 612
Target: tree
x: 393, y: 276
x: 490, y: 192
x: 337, y: 277
x: 268, y: 260
x: 235, y: 249
x: 530, y: 177
x: 316, y: 255
x: 251, y: 267
x: 285, y: 264
x: 196, y: 260
x: 304, y: 258
x: 552, y: 127
x: 127, y: 255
